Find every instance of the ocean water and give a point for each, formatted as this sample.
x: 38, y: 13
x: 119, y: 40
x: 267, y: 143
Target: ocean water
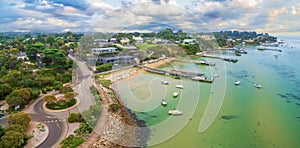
x: 248, y: 117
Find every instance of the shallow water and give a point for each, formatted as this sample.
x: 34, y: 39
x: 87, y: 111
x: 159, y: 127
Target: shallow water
x: 249, y: 117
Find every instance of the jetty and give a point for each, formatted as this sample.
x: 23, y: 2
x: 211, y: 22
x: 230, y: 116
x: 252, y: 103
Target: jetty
x: 190, y: 75
x: 221, y: 58
x: 266, y: 48
x: 201, y: 62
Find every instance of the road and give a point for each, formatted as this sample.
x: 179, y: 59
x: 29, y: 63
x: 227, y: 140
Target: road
x: 57, y: 122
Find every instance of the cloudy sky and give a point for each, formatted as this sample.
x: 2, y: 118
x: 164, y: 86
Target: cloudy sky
x: 149, y: 15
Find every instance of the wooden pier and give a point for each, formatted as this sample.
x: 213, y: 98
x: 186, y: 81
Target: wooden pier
x: 197, y: 62
x: 185, y: 74
x: 222, y: 58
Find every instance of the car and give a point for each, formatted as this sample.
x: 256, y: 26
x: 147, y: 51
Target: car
x: 1, y: 115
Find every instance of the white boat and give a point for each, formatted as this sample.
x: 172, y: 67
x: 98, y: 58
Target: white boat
x: 237, y: 82
x: 179, y: 86
x: 175, y: 112
x: 215, y: 75
x: 165, y: 82
x: 164, y: 102
x: 175, y: 94
x: 257, y: 85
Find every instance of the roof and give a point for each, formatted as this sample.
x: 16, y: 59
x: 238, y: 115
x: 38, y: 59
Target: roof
x: 118, y: 57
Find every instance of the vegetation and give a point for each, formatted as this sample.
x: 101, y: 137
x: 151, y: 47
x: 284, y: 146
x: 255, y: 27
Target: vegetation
x: 84, y: 129
x: 71, y: 141
x: 14, y: 134
x: 75, y: 117
x: 49, y: 99
x: 114, y: 107
x: 104, y: 67
x: 105, y: 83
x: 61, y: 104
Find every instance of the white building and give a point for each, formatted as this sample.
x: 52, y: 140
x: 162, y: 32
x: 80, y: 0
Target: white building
x: 139, y: 40
x: 125, y: 41
x: 102, y: 50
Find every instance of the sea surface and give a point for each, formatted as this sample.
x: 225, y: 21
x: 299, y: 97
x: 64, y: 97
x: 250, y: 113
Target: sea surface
x: 244, y: 116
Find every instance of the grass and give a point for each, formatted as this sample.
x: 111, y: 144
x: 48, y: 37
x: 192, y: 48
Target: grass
x: 145, y: 46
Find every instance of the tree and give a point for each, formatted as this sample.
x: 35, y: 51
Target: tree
x: 49, y: 99
x: 16, y: 128
x: 12, y: 139
x: 69, y: 96
x: 75, y: 118
x: 2, y: 131
x: 65, y: 89
x: 4, y: 91
x: 18, y: 97
x: 21, y: 118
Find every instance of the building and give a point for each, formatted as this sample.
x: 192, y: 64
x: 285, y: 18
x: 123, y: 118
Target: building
x: 118, y: 60
x: 160, y: 41
x: 188, y: 41
x: 22, y: 56
x: 124, y: 41
x: 128, y: 48
x: 102, y: 50
x: 138, y: 40
x: 113, y: 40
x: 103, y: 42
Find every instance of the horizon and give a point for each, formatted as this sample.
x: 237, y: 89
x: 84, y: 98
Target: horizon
x: 149, y: 16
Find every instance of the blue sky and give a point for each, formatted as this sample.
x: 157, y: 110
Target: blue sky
x: 149, y: 15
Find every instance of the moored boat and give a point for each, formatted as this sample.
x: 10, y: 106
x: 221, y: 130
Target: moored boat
x: 165, y: 82
x: 237, y: 82
x: 175, y: 94
x: 175, y: 112
x: 179, y: 86
x: 164, y: 102
x: 257, y: 85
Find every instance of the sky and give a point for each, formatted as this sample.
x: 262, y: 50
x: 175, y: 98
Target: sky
x: 149, y: 15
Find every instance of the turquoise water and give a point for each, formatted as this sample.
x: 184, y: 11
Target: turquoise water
x: 249, y: 117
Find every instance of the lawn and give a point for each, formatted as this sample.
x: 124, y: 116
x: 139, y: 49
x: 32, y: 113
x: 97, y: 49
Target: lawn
x: 145, y: 46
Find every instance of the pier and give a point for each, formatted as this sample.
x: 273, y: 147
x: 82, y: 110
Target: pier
x: 271, y: 49
x: 201, y: 62
x: 221, y: 58
x: 185, y: 74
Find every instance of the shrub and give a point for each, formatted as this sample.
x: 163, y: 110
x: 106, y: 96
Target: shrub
x: 71, y: 142
x: 57, y: 106
x: 75, y: 118
x: 114, y: 107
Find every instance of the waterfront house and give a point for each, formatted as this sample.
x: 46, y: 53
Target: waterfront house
x: 138, y: 40
x: 102, y: 50
x: 124, y: 41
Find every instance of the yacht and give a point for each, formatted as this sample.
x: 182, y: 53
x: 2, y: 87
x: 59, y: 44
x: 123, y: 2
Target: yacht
x: 237, y: 82
x: 165, y: 82
x: 175, y: 112
x: 257, y: 85
x: 175, y: 94
x: 164, y: 102
x: 179, y: 86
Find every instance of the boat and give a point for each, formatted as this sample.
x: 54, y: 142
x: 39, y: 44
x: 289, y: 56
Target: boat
x: 164, y: 102
x: 215, y: 75
x: 165, y: 82
x: 257, y: 85
x: 175, y: 112
x: 179, y: 86
x: 261, y: 48
x: 237, y: 82
x: 175, y: 94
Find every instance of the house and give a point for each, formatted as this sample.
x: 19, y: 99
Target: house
x: 22, y: 56
x: 188, y: 41
x: 113, y: 40
x: 139, y: 40
x: 128, y: 48
x: 102, y: 50
x: 118, y: 60
x: 103, y: 42
x: 160, y: 41
x: 124, y: 41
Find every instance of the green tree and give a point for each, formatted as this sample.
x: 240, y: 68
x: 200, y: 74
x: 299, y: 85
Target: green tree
x: 20, y: 118
x: 16, y: 128
x: 65, y: 89
x: 75, y: 118
x: 72, y: 142
x: 2, y: 131
x: 4, y: 91
x: 12, y: 139
x: 69, y: 96
x: 49, y: 99
x: 19, y: 97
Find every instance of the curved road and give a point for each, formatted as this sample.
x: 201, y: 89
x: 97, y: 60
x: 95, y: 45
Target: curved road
x: 57, y: 122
